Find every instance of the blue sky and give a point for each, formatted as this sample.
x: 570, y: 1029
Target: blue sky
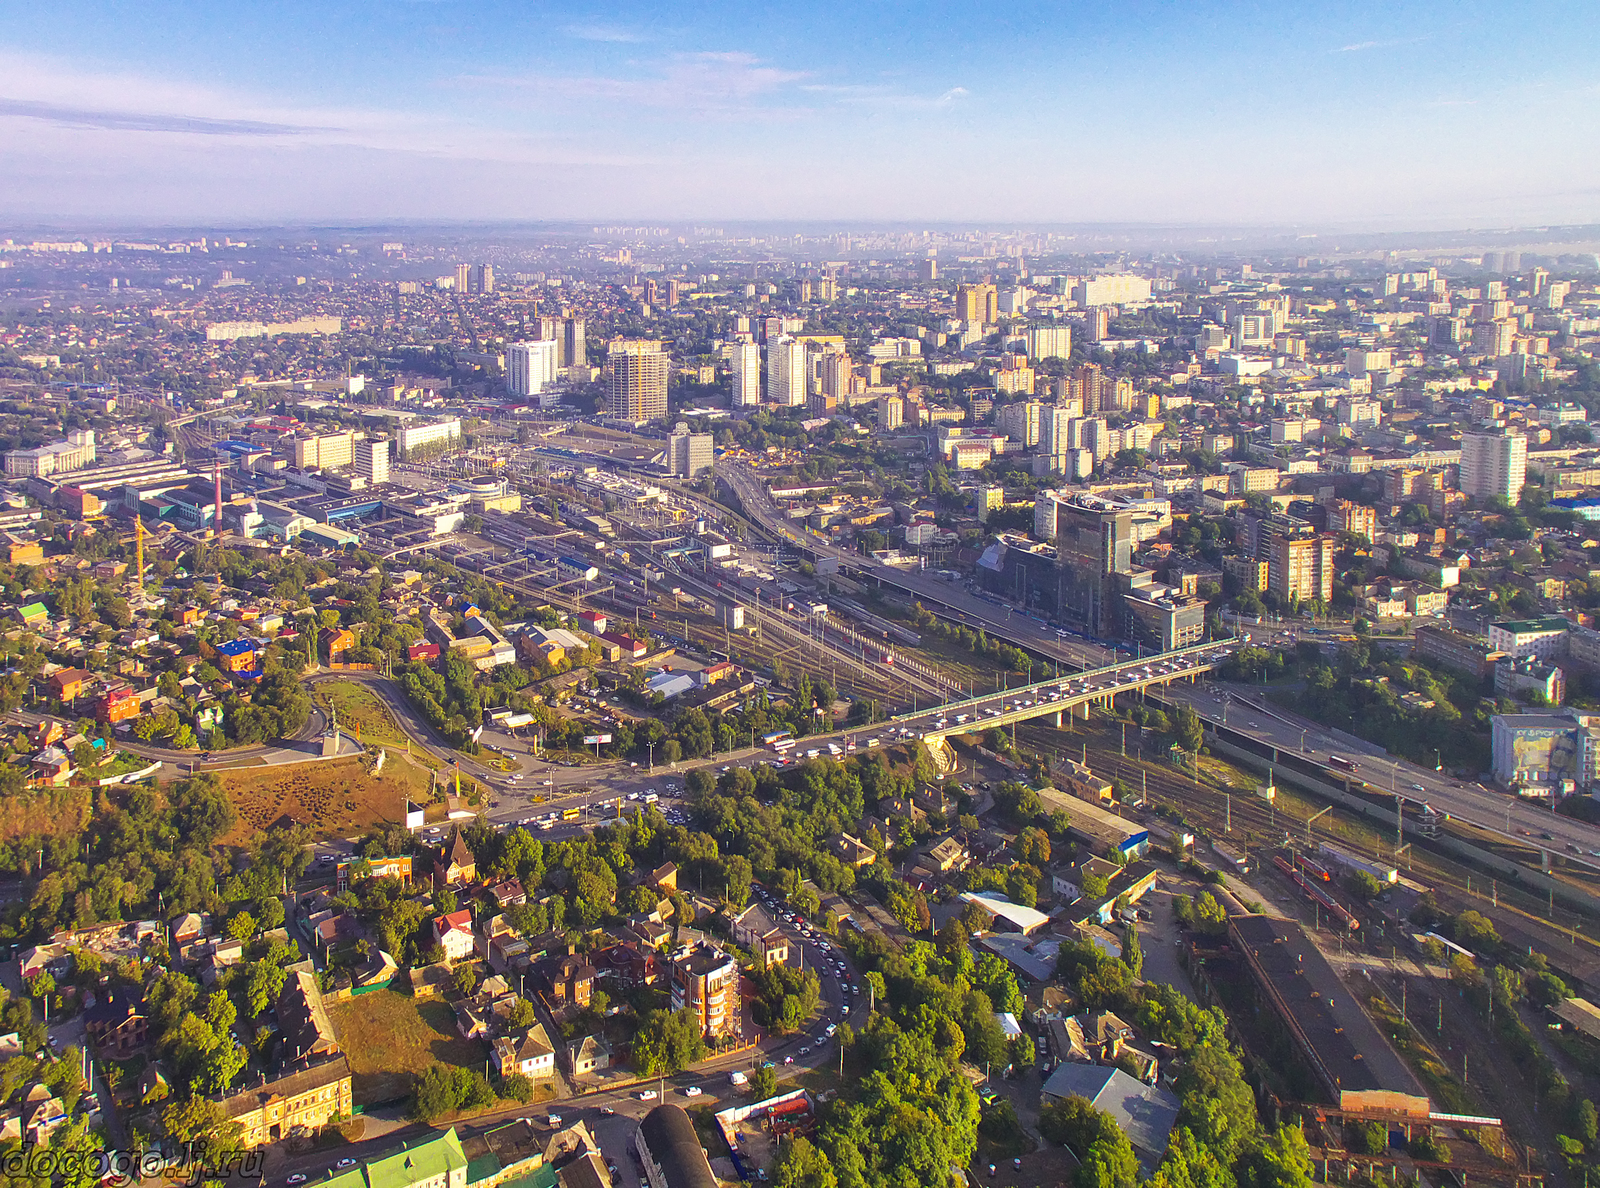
x: 1394, y: 114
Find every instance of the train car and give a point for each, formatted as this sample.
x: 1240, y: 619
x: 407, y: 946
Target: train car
x: 1313, y: 868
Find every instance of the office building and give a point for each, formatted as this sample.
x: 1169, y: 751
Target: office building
x: 575, y: 347
x: 688, y: 454
x: 1494, y: 463
x: 327, y: 451
x: 1049, y: 342
x: 786, y: 371
x: 1094, y: 543
x: 638, y: 386
x: 74, y: 453
x: 745, y: 368
x: 1301, y: 567
x: 371, y: 459
x: 416, y: 437
x: 530, y: 366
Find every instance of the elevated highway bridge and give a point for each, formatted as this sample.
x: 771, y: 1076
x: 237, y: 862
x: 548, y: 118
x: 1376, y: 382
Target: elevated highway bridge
x: 1060, y: 695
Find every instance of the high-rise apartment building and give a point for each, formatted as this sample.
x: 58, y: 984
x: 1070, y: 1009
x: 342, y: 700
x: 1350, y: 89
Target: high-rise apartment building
x: 1021, y: 422
x: 371, y: 459
x: 1097, y: 323
x: 575, y: 346
x: 638, y: 383
x: 530, y: 366
x: 1301, y: 567
x: 688, y: 454
x: 977, y: 304
x: 1494, y: 464
x: 891, y: 413
x: 1049, y: 342
x: 745, y: 367
x: 1055, y: 433
x: 836, y: 373
x: 463, y: 278
x: 1111, y: 290
x: 1494, y: 338
x: 786, y: 371
x: 483, y: 278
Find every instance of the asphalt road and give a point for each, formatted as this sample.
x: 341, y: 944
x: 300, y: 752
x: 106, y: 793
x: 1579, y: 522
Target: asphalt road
x: 1244, y: 711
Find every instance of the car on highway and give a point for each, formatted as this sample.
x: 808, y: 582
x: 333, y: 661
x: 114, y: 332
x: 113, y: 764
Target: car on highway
x: 346, y: 1162
x: 692, y: 1091
x: 646, y: 1095
x: 1418, y: 788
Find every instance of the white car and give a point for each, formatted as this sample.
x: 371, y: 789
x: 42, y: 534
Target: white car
x: 692, y: 1091
x: 646, y: 1095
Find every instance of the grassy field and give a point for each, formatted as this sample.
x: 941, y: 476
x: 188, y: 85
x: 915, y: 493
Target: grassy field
x: 391, y: 1037
x: 361, y: 712
x: 336, y: 798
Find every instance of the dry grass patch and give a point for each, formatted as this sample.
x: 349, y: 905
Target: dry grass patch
x: 391, y: 1037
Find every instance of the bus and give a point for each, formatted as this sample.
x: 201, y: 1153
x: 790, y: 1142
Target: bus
x: 571, y: 814
x: 1341, y: 763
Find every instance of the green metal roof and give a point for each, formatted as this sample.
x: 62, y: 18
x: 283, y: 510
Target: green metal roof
x: 426, y: 1161
x: 353, y: 1177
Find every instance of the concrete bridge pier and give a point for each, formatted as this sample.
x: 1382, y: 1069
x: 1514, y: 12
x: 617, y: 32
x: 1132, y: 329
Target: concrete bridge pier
x: 1058, y: 719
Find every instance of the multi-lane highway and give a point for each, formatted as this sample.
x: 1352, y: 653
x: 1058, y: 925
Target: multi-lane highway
x: 1246, y: 712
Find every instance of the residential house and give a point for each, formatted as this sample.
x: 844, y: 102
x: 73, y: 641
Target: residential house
x: 453, y: 933
x: 758, y: 932
x: 297, y: 1104
x: 305, y: 1032
x: 454, y: 863
x: 590, y: 1054
x: 117, y: 1024
x: 529, y: 1054
x: 566, y: 980
x: 664, y: 878
x: 509, y: 893
x: 852, y: 851
x: 66, y: 685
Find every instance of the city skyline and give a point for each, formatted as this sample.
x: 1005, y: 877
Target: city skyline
x: 1384, y: 116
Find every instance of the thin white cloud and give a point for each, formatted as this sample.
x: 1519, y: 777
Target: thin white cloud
x: 710, y: 80
x: 606, y: 33
x: 1357, y: 47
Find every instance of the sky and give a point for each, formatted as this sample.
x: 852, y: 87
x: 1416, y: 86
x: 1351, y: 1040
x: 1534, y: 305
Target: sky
x: 1390, y: 115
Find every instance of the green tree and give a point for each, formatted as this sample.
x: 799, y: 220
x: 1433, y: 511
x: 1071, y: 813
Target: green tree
x: 802, y: 1165
x: 1187, y: 730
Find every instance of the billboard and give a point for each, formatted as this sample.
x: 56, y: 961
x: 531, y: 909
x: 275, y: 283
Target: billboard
x: 594, y: 740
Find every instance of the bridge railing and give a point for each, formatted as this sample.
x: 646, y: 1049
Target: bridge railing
x: 1086, y: 674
